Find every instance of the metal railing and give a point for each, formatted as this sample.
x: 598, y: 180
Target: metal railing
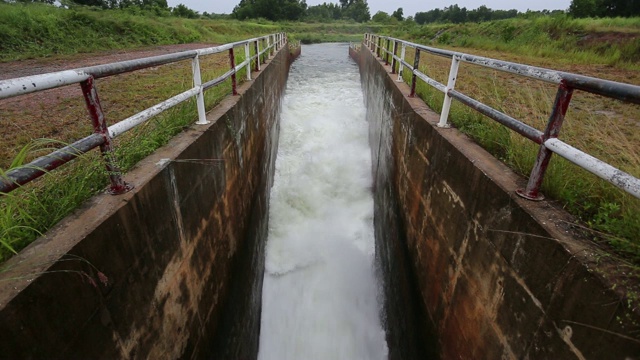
x: 387, y: 47
x: 103, y: 135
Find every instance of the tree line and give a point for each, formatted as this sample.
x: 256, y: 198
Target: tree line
x: 156, y: 7
x: 294, y: 10
x: 604, y: 8
x: 358, y: 10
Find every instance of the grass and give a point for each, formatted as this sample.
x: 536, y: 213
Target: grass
x: 614, y: 42
x: 36, y: 30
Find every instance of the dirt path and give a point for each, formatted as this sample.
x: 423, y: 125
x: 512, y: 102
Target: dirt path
x: 22, y: 68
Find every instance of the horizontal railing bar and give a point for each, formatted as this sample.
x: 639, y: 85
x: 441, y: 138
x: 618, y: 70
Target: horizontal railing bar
x: 139, y: 118
x: 218, y: 80
x: 29, y: 84
x: 431, y: 81
x: 241, y: 65
x: 521, y: 128
x: 613, y: 89
x: 13, y: 179
x: 407, y: 65
x: 595, y: 166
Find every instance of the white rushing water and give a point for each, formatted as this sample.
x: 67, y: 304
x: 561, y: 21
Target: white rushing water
x: 320, y: 295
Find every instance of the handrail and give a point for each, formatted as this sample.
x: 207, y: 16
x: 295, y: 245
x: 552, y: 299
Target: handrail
x: 548, y: 139
x: 102, y: 135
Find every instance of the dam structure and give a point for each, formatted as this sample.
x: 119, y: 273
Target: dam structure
x: 342, y: 219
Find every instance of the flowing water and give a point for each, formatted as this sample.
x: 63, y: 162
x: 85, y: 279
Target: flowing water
x: 320, y: 294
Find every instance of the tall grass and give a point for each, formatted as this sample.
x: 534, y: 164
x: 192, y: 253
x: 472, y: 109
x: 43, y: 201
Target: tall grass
x: 30, y: 30
x: 38, y: 30
x: 561, y: 38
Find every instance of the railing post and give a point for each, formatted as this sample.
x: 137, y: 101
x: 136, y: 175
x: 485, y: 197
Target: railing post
x: 451, y: 84
x: 379, y: 47
x: 232, y: 61
x: 197, y: 82
x: 118, y: 185
x: 401, y: 66
x: 560, y: 107
x: 386, y: 52
x: 372, y: 39
x: 395, y: 53
x: 416, y: 64
x: 257, y: 48
x: 268, y: 52
x: 247, y: 56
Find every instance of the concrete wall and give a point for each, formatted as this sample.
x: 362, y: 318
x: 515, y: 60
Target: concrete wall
x: 181, y: 256
x: 471, y: 271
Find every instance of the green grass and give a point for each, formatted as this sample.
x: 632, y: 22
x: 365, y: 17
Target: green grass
x: 39, y: 30
x: 35, y: 30
x: 586, y: 41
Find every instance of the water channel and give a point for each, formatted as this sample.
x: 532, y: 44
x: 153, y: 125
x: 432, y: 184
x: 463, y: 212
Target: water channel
x: 321, y: 298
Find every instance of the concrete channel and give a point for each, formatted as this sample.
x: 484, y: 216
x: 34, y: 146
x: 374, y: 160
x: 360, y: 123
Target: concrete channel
x: 174, y: 268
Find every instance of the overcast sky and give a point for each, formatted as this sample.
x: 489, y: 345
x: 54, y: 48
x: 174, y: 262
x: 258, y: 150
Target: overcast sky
x: 409, y: 7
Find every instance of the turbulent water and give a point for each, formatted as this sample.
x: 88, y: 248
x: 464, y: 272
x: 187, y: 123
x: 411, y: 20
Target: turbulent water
x: 320, y: 294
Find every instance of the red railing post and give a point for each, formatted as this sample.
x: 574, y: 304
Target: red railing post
x: 386, y: 53
x: 560, y: 107
x: 232, y: 60
x: 395, y: 53
x: 118, y: 185
x: 416, y: 64
x: 257, y: 48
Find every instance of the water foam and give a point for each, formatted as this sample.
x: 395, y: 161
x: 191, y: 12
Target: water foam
x: 320, y: 294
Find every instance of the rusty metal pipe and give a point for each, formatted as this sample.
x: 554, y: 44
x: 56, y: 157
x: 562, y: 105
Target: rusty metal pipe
x: 15, y: 178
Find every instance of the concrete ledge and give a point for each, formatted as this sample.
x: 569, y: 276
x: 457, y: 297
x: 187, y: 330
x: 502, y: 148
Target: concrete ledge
x: 489, y: 274
x: 174, y: 268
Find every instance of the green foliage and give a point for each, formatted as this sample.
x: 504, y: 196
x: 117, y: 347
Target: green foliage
x: 182, y: 11
x: 324, y: 12
x: 398, y: 14
x: 274, y: 10
x: 457, y: 15
x: 552, y: 36
x: 604, y: 8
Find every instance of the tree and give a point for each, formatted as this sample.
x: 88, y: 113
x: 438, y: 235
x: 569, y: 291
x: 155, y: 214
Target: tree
x: 357, y: 10
x: 324, y: 12
x: 380, y: 17
x: 583, y: 8
x: 398, y: 14
x: 183, y: 11
x: 274, y: 10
